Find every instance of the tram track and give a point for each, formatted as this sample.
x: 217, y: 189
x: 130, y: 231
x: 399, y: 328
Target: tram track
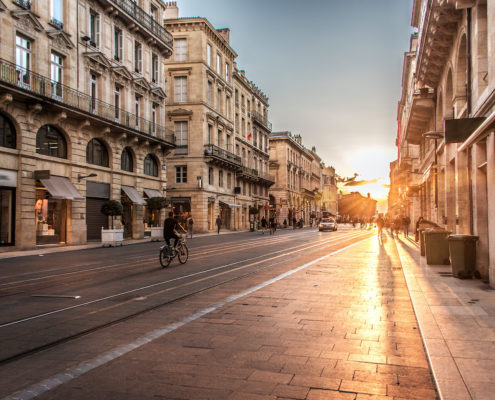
x: 227, y: 277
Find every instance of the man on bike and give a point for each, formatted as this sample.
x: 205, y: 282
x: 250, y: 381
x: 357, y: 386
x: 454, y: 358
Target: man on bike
x: 170, y: 226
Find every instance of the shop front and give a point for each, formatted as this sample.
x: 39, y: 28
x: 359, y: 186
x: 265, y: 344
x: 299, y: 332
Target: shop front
x: 181, y: 207
x: 52, y: 208
x: 97, y: 193
x: 8, y: 184
x: 226, y: 213
x: 131, y: 202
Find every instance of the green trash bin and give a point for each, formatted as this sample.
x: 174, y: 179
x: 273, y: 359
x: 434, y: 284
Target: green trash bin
x: 251, y: 226
x: 463, y: 255
x: 422, y: 241
x: 437, y: 246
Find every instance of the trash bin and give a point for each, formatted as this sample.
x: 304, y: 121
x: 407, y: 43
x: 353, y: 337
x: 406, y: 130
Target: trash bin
x: 251, y: 226
x: 463, y: 255
x: 436, y: 246
x: 421, y: 241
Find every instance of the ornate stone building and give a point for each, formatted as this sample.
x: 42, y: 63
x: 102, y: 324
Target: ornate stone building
x: 220, y: 165
x: 329, y: 192
x: 297, y: 192
x: 446, y: 139
x: 82, y: 107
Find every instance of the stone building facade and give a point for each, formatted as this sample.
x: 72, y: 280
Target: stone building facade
x: 220, y: 164
x: 82, y: 113
x: 446, y: 135
x: 329, y: 192
x: 297, y: 192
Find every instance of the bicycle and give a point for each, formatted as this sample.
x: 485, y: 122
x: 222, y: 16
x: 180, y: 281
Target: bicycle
x: 181, y: 251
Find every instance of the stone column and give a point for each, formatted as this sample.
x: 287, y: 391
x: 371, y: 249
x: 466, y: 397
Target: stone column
x: 490, y: 174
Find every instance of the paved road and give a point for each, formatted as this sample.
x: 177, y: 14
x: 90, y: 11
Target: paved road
x: 47, y: 300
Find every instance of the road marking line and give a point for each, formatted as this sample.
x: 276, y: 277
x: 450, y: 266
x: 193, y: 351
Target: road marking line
x: 66, y: 376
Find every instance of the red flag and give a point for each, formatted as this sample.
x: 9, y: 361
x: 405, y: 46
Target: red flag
x: 250, y: 136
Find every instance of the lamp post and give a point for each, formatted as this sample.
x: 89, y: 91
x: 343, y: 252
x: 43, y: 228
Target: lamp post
x: 435, y: 135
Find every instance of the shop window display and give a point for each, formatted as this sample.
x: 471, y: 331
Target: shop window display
x: 51, y: 218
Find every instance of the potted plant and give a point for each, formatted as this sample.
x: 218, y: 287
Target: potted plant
x: 156, y: 204
x: 112, y: 237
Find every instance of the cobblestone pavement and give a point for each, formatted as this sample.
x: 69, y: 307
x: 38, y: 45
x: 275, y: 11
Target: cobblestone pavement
x: 340, y: 328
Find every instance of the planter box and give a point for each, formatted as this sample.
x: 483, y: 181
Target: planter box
x: 112, y: 237
x: 156, y: 233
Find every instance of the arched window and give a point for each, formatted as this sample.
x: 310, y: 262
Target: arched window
x: 150, y: 166
x: 96, y: 153
x: 7, y: 133
x: 51, y: 142
x: 126, y: 163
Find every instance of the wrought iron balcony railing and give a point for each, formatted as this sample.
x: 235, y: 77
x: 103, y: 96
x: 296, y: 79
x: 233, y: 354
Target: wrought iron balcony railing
x: 46, y: 88
x: 247, y: 171
x: 56, y: 23
x: 215, y: 151
x: 26, y: 4
x: 143, y: 18
x: 262, y: 120
x: 266, y: 176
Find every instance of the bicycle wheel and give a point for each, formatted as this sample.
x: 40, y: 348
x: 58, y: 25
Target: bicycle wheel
x: 183, y: 253
x: 164, y: 258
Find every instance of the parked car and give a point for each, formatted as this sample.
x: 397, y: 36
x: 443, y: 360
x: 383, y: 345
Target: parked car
x: 327, y: 224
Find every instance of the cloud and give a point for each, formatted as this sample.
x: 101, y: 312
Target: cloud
x: 361, y: 183
x: 386, y: 186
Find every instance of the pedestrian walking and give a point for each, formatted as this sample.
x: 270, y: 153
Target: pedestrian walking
x: 263, y: 225
x: 294, y: 222
x: 273, y: 227
x: 190, y: 226
x: 285, y: 223
x: 218, y: 222
x: 380, y: 222
x: 397, y: 224
x: 405, y: 225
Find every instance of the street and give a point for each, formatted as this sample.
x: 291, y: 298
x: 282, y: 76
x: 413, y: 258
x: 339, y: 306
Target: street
x: 330, y: 338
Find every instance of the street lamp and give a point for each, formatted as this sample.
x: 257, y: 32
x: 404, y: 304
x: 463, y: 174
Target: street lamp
x: 435, y: 135
x: 79, y: 176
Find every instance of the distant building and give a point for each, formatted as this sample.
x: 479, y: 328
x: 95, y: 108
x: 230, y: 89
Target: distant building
x: 355, y: 205
x: 329, y: 196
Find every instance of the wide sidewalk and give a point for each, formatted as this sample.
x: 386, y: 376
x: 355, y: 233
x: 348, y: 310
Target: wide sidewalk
x: 340, y: 326
x: 457, y: 322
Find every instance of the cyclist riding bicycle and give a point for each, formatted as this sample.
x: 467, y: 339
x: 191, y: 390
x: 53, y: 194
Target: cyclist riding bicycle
x: 170, y: 227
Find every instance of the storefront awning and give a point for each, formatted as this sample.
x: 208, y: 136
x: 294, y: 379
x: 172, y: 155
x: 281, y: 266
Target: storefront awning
x: 231, y: 205
x: 152, y: 193
x: 60, y: 187
x: 133, y: 195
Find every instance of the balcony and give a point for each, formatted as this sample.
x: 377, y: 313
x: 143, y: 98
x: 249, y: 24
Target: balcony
x: 135, y: 15
x: 222, y: 157
x: 58, y: 94
x: 266, y: 179
x: 262, y: 120
x: 247, y: 173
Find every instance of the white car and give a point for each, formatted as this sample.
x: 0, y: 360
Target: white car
x: 327, y: 224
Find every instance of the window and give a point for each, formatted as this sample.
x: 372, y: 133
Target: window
x: 229, y: 181
x: 94, y: 28
x: 93, y: 93
x: 227, y: 72
x: 243, y: 127
x: 126, y: 161
x: 96, y: 153
x: 219, y: 99
x: 56, y: 13
x: 210, y: 137
x: 180, y: 50
x: 150, y: 166
x: 181, y: 174
x: 154, y: 68
x: 219, y: 138
x: 219, y: 64
x: 138, y: 57
x: 208, y: 54
x: 209, y: 92
x: 181, y: 136
x: 210, y: 176
x: 153, y: 12
x: 116, y: 100
x: 227, y: 107
x: 7, y: 133
x: 153, y: 118
x: 56, y: 75
x: 117, y: 44
x: 23, y: 61
x: 227, y: 142
x: 180, y: 89
x: 237, y: 150
x: 220, y: 178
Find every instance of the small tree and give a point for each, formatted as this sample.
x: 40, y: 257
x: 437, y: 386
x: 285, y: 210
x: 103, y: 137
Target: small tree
x: 312, y: 215
x: 156, y: 204
x: 253, y: 210
x: 112, y: 208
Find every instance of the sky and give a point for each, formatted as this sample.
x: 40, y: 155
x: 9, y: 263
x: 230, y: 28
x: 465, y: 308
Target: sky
x: 332, y: 70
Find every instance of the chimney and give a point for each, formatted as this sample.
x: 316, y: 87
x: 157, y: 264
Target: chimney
x: 225, y: 33
x: 171, y: 10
